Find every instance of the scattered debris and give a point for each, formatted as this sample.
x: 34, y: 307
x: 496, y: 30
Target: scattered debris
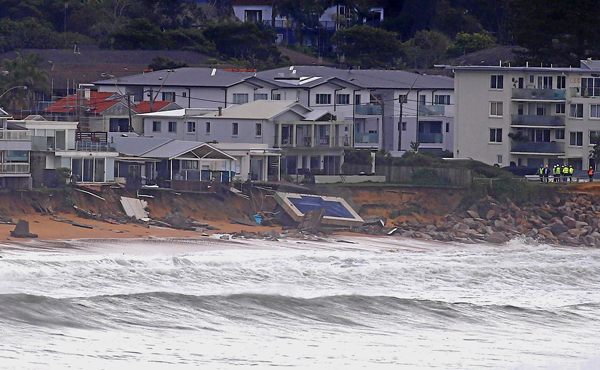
x: 243, y: 221
x: 135, y: 208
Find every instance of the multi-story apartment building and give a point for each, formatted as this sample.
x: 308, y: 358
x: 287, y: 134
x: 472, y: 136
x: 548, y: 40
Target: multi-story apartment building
x: 527, y: 116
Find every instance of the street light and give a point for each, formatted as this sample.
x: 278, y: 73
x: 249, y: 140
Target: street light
x: 12, y: 88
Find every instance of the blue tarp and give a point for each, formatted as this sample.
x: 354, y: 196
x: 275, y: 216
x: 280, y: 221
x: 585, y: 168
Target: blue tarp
x: 332, y: 209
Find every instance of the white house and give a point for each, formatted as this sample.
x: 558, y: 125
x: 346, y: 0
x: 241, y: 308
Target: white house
x: 310, y: 140
x: 15, y: 148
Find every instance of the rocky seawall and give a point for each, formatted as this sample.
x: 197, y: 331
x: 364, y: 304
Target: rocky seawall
x: 564, y: 219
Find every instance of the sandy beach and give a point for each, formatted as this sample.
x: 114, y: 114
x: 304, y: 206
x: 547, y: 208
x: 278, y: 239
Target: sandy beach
x: 47, y: 228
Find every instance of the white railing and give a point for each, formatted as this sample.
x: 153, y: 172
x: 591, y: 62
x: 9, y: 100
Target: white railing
x: 14, y: 168
x: 15, y: 135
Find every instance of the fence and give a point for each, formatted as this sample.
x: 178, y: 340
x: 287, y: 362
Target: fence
x: 421, y: 175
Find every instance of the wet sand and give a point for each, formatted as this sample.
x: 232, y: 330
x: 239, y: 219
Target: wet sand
x: 48, y: 229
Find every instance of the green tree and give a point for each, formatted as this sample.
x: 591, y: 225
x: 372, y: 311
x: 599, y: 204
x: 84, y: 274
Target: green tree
x: 467, y: 43
x: 367, y: 47
x: 425, y: 49
x: 160, y: 62
x: 451, y: 20
x: 23, y: 71
x: 557, y: 32
x: 246, y: 42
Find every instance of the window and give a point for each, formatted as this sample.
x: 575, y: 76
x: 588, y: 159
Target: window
x: 356, y: 99
x: 323, y: 99
x: 590, y: 87
x: 191, y: 127
x: 594, y: 111
x: 421, y: 99
x: 520, y: 109
x: 207, y: 128
x: 539, y: 135
x: 496, y: 108
x: 561, y: 82
x: 495, y: 135
x: 276, y: 96
x: 559, y: 134
x: 240, y: 98
x: 442, y: 99
x: 497, y: 82
x: 560, y: 108
x: 168, y: 96
x: 172, y: 126
x: 544, y: 82
x: 576, y: 110
x: 499, y: 160
x: 342, y: 99
x: 576, y: 138
x: 184, y: 94
x: 403, y: 126
x: 260, y: 96
x: 447, y: 126
x: 234, y: 129
x: 594, y: 136
x: 254, y: 16
x: 156, y: 126
x: 258, y: 129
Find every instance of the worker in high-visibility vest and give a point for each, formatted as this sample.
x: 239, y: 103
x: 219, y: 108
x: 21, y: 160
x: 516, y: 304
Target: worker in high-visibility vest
x: 565, y: 172
x: 591, y: 174
x: 571, y: 170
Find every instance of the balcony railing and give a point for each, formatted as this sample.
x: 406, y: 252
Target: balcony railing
x: 535, y: 121
x: 538, y: 94
x: 428, y: 138
x: 15, y: 135
x: 538, y: 147
x: 88, y: 146
x: 16, y: 168
x: 369, y: 109
x: 432, y: 110
x: 366, y: 138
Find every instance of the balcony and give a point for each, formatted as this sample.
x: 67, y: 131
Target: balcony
x: 89, y: 146
x: 432, y: 110
x: 15, y: 135
x: 428, y: 138
x: 369, y: 110
x: 538, y: 94
x: 542, y: 148
x: 14, y: 168
x: 537, y: 121
x: 366, y: 138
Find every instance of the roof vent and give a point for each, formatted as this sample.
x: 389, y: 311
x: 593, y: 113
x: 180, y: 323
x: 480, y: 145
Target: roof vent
x: 214, y: 72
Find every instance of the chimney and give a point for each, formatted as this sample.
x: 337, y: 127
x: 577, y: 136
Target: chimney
x: 220, y: 111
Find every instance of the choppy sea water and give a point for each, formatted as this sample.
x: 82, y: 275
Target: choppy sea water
x: 374, y: 303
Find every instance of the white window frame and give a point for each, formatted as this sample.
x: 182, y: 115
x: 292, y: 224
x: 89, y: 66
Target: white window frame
x: 576, y: 138
x: 235, y: 129
x: 240, y: 98
x: 156, y: 126
x: 258, y: 129
x: 497, y: 82
x: 576, y: 110
x: 594, y: 110
x: 495, y: 135
x: 496, y: 109
x: 191, y: 127
x: 323, y: 99
x: 172, y: 126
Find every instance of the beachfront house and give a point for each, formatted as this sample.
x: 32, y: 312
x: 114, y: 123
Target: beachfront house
x: 309, y: 140
x: 15, y: 149
x: 59, y: 144
x: 178, y: 164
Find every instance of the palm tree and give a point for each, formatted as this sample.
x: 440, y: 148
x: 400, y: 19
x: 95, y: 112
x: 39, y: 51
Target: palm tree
x: 22, y: 71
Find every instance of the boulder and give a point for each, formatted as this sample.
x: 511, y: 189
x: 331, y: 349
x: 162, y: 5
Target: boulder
x: 473, y: 214
x: 558, y: 228
x: 569, y: 221
x: 496, y: 238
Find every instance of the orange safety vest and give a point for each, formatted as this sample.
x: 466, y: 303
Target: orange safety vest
x: 591, y: 172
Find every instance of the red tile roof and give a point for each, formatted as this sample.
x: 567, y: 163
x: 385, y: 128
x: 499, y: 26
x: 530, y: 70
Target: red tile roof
x: 97, y: 103
x: 144, y: 106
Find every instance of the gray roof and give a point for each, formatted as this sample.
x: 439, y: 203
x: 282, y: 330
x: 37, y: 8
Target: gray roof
x: 590, y: 64
x: 149, y: 147
x: 186, y: 77
x: 369, y: 78
x: 3, y: 114
x: 261, y: 109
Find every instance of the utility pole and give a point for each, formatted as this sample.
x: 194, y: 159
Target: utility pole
x: 401, y: 99
x: 129, y: 110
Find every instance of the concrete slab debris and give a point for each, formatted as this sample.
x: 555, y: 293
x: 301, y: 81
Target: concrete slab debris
x: 135, y: 208
x: 336, y: 210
